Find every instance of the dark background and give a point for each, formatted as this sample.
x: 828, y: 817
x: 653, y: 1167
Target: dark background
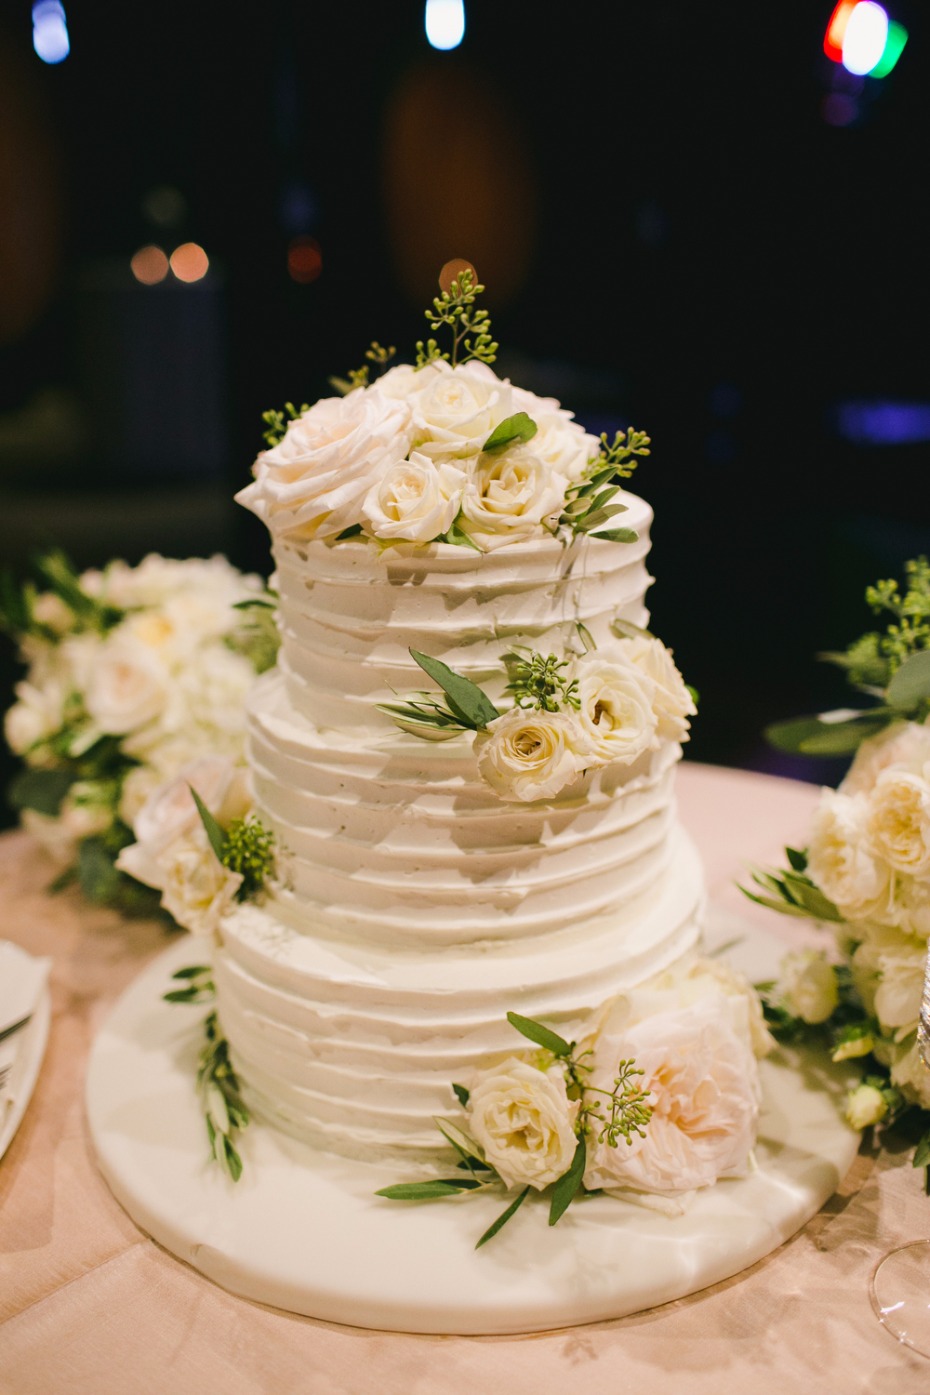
x: 687, y: 217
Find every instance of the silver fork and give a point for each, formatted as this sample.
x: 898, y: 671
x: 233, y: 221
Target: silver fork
x: 15, y: 1027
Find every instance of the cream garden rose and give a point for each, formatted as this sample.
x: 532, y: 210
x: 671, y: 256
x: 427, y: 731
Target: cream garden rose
x: 899, y: 821
x: 807, y: 986
x: 524, y: 1122
x: 700, y: 1071
x: 528, y: 754
x: 313, y: 482
x: 841, y: 859
x: 196, y: 889
x: 416, y: 501
x: 128, y: 686
x: 672, y: 701
x: 616, y: 713
x: 509, y: 495
x: 455, y: 410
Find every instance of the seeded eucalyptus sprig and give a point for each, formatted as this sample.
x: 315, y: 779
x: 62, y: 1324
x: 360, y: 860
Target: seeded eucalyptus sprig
x: 456, y: 309
x: 629, y: 1114
x: 224, y: 1111
x: 276, y: 421
x: 538, y: 681
x: 246, y: 847
x: 592, y: 502
x: 377, y: 356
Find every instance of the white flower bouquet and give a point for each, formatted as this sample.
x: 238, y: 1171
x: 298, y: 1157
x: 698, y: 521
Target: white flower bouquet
x: 866, y: 871
x: 134, y: 675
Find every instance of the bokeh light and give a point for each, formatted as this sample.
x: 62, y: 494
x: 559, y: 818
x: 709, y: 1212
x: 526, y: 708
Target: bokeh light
x: 865, y: 37
x: 452, y: 269
x: 149, y: 265
x: 189, y: 262
x: 304, y: 259
x: 445, y: 23
x: 50, y: 31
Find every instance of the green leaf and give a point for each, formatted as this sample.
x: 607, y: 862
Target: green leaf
x: 541, y: 1035
x: 519, y: 427
x: 192, y: 971
x: 812, y: 736
x: 428, y: 1191
x: 568, y: 1185
x: 461, y: 1094
x: 41, y: 790
x: 96, y: 871
x: 624, y: 535
x: 255, y: 603
x: 463, y: 1143
x: 921, y: 1156
x: 190, y: 995
x: 213, y: 830
x: 232, y: 1160
x: 797, y: 858
x: 584, y: 634
x: 458, y: 537
x: 786, y: 907
x: 466, y: 699
x: 501, y: 1221
x: 354, y: 530
x: 911, y: 683
x: 804, y: 893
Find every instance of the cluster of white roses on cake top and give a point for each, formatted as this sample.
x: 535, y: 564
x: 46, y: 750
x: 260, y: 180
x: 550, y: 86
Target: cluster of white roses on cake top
x: 444, y: 451
x: 866, y: 868
x: 658, y: 1099
x: 133, y: 672
x: 611, y: 705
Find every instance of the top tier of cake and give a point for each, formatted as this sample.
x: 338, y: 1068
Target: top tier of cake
x: 349, y: 614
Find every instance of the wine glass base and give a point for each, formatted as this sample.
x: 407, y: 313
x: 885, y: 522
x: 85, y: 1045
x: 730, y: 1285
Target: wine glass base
x: 899, y: 1290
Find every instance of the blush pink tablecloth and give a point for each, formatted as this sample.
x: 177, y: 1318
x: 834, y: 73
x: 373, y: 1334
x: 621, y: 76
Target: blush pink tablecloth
x: 90, y: 1306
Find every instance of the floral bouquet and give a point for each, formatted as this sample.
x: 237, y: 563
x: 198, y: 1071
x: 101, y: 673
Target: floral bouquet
x: 135, y: 676
x: 866, y: 870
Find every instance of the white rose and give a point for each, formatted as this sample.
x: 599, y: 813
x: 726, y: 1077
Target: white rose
x: 672, y: 702
x: 196, y: 888
x: 312, y: 483
x: 559, y: 441
x: 526, y: 754
x: 841, y: 860
x: 909, y: 906
x: 616, y: 711
x: 456, y: 409
x: 127, y: 688
x: 50, y: 610
x: 903, y: 744
x: 36, y: 715
x: 508, y: 497
x: 888, y: 971
x: 524, y: 1122
x: 717, y: 972
x: 864, y: 1106
x: 899, y: 821
x: 911, y: 1075
x: 807, y: 985
x: 169, y: 815
x: 416, y: 500
x: 703, y: 1089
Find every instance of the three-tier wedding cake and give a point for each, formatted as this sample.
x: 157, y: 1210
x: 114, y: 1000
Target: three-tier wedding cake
x: 466, y: 756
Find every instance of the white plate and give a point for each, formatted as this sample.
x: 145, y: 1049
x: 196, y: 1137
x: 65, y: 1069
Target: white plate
x: 303, y: 1230
x: 31, y: 1049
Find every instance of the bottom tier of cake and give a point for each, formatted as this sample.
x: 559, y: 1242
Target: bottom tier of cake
x: 355, y: 1049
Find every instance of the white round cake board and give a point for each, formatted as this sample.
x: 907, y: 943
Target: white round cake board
x: 303, y: 1231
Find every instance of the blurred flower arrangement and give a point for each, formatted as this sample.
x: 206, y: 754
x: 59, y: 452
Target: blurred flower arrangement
x: 866, y: 871
x: 135, y: 676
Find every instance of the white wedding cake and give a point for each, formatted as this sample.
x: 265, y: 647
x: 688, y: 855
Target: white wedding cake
x: 417, y: 905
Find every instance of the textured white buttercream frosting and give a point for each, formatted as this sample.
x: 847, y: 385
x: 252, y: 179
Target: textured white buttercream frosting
x: 416, y: 906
